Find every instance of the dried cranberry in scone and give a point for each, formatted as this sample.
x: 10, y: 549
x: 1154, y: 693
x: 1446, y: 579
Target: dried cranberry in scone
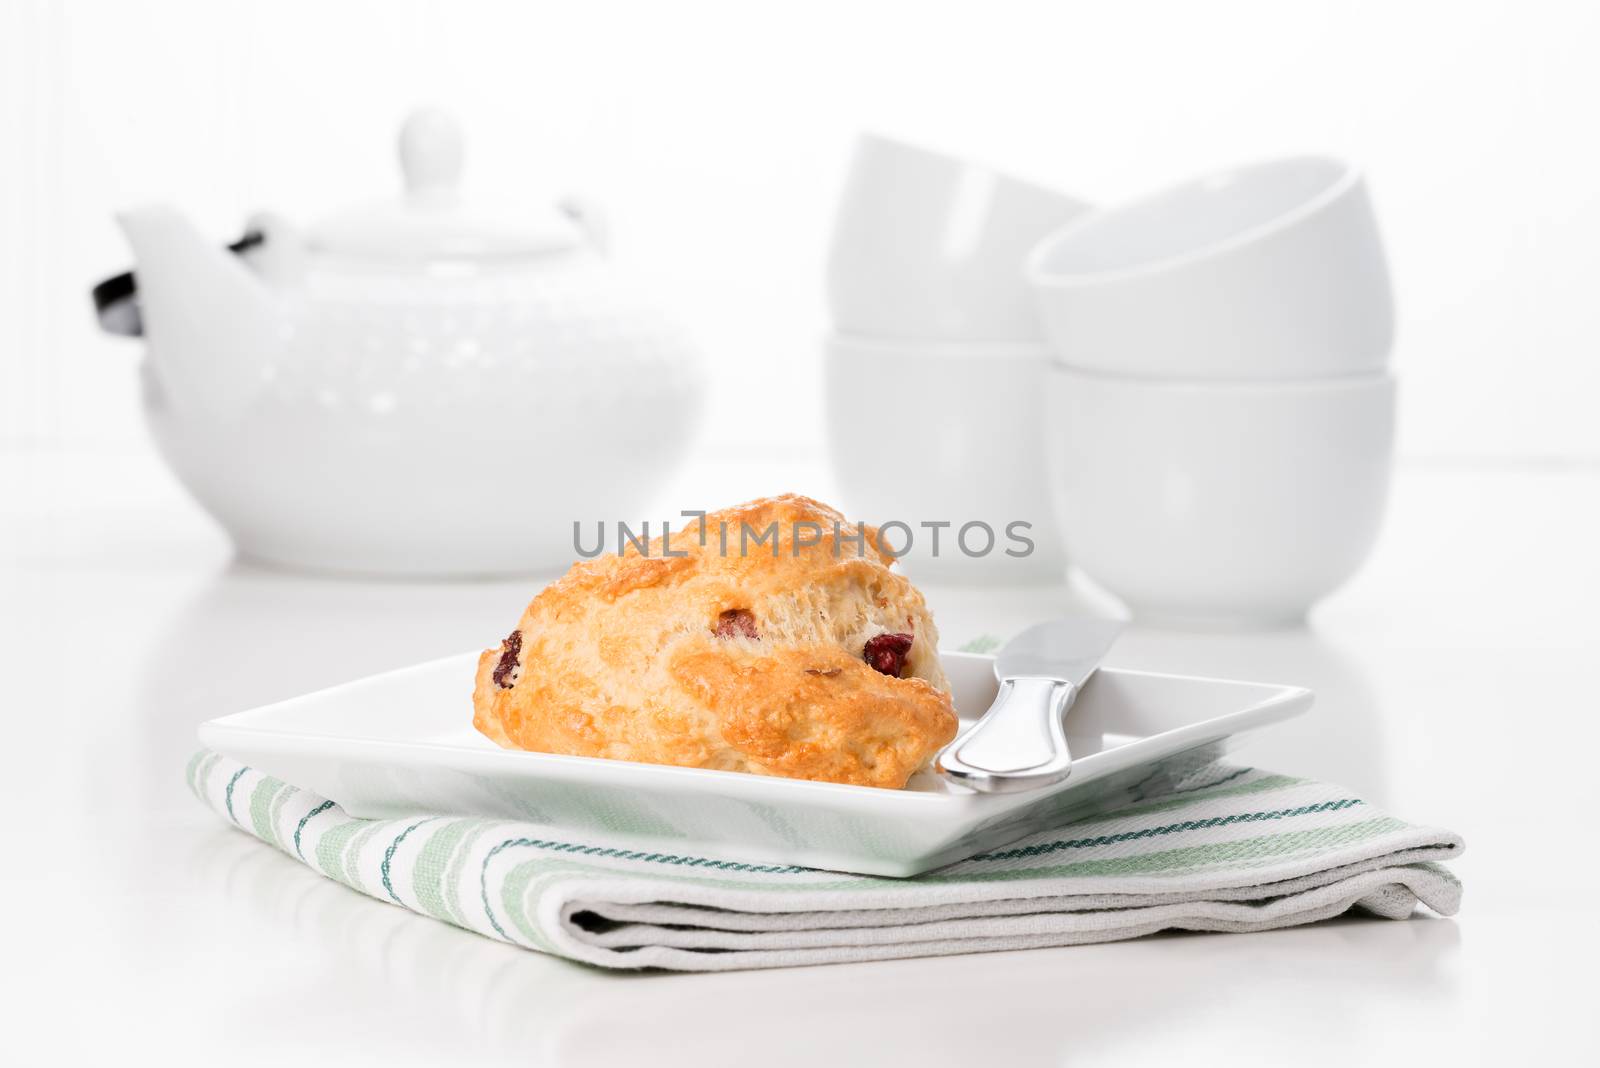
x: 887, y: 653
x: 505, y: 670
x: 737, y: 623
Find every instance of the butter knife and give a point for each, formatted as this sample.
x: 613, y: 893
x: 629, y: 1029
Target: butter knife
x: 1021, y: 742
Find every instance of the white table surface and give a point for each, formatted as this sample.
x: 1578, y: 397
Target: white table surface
x: 1456, y: 682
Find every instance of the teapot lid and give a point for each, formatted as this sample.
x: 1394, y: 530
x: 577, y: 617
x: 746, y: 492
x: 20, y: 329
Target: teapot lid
x: 429, y: 221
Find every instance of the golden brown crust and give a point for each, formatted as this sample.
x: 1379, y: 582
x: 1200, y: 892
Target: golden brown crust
x: 650, y: 658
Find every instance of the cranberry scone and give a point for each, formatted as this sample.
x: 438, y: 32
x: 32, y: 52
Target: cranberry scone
x: 800, y: 654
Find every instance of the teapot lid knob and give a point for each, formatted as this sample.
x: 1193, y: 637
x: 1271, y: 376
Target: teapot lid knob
x: 431, y: 151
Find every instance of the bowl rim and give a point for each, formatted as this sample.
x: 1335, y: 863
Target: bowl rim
x: 1347, y: 178
x: 874, y: 345
x: 1365, y: 381
x: 952, y: 163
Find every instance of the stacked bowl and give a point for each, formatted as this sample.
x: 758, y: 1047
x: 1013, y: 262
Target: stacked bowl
x: 1222, y: 413
x: 937, y: 364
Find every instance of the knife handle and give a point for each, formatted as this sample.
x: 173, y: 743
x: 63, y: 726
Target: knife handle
x: 1019, y: 744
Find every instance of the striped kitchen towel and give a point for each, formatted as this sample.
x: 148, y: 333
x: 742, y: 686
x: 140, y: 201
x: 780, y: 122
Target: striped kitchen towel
x: 1235, y: 849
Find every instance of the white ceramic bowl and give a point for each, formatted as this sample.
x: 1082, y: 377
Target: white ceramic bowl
x: 946, y: 433
x: 931, y: 247
x: 1219, y: 505
x: 1269, y: 272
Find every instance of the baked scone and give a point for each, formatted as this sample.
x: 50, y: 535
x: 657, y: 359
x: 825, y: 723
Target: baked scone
x: 803, y: 656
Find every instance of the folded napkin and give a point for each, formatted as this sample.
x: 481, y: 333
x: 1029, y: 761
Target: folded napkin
x: 1232, y: 849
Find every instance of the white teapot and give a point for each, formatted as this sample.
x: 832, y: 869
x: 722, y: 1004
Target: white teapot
x: 409, y: 388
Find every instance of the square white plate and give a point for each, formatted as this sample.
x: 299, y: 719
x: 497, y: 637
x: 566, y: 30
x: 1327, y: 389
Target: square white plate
x: 403, y: 743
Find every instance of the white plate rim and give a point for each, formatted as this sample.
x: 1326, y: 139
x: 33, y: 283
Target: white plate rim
x: 1279, y: 702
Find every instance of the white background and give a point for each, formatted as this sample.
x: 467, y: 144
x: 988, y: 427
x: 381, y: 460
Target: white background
x: 717, y: 134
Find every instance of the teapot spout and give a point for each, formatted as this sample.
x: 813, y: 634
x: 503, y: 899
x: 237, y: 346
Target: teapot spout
x: 209, y: 321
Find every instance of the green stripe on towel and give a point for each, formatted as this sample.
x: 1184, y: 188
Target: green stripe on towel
x: 1269, y: 850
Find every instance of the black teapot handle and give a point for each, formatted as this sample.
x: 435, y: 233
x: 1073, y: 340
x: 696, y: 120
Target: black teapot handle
x: 116, y: 300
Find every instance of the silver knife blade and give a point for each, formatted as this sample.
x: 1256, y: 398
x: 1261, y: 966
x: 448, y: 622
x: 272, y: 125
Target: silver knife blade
x: 1067, y: 649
